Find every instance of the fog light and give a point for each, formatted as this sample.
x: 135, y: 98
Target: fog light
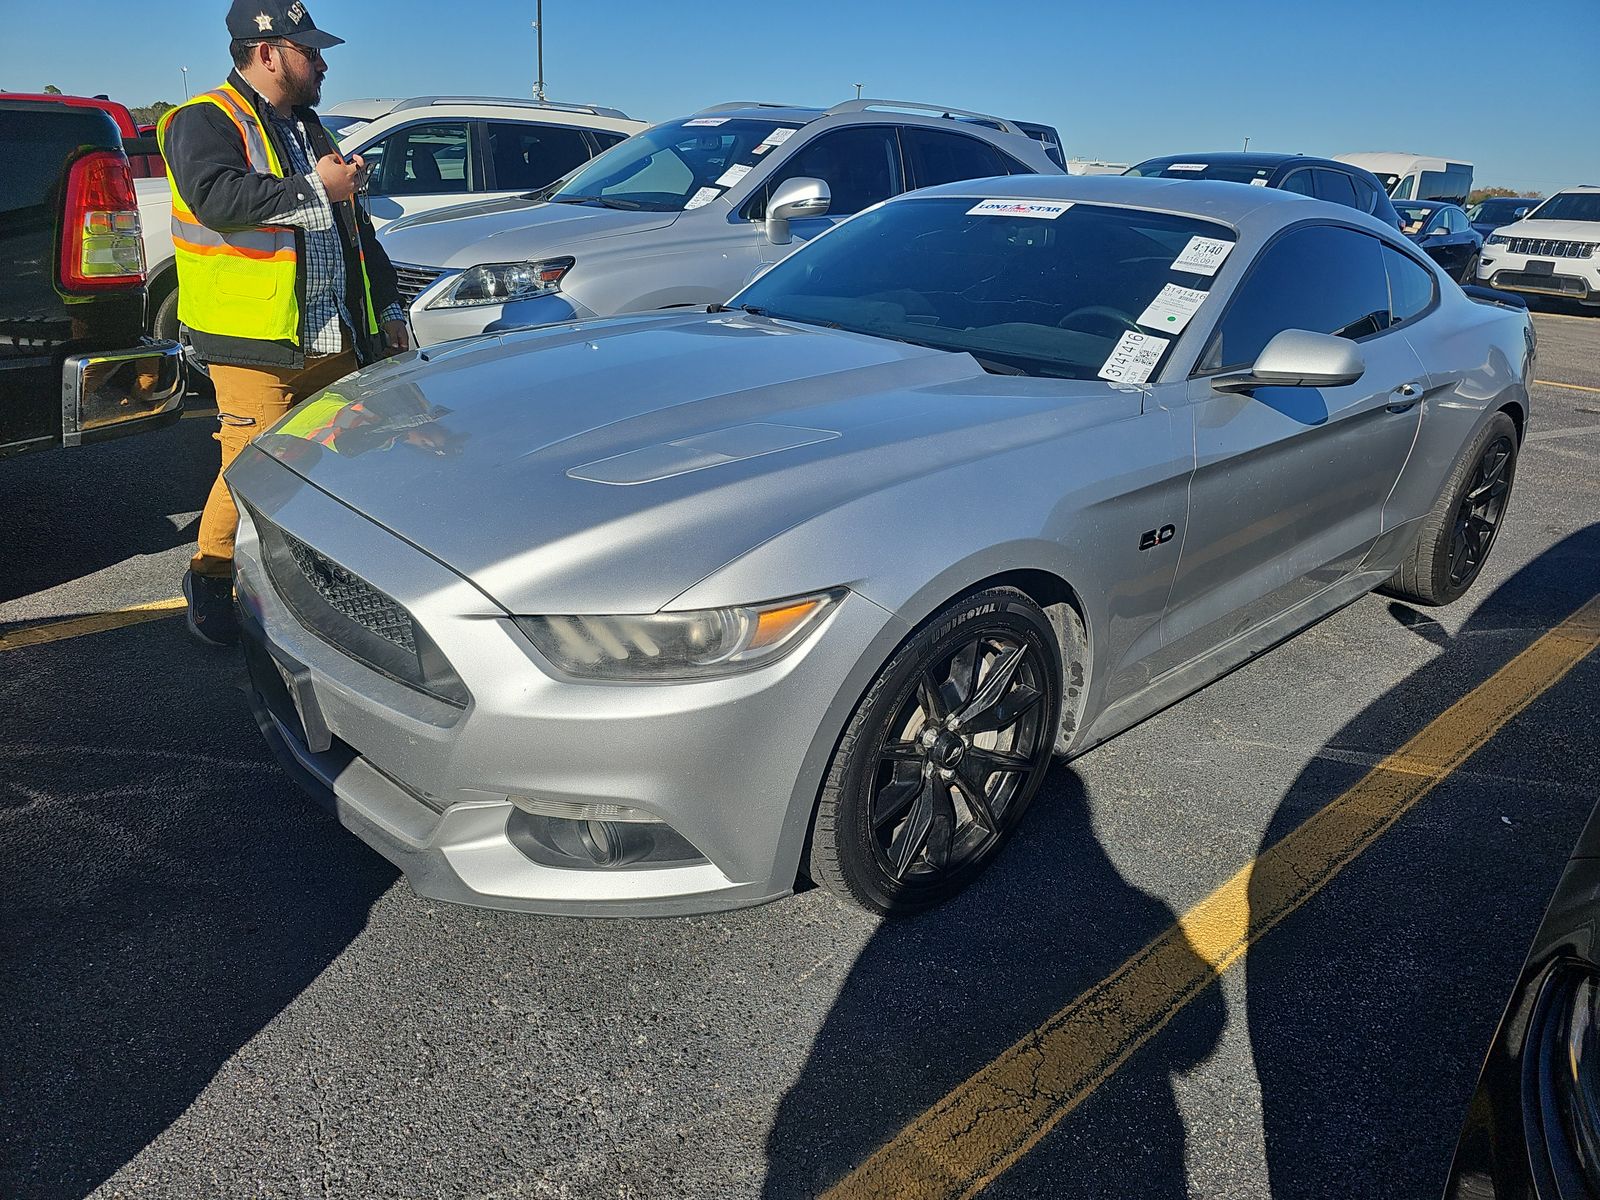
x: 603, y: 841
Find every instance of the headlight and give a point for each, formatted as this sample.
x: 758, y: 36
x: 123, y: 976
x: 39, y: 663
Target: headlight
x: 1494, y: 239
x: 502, y: 283
x: 686, y: 645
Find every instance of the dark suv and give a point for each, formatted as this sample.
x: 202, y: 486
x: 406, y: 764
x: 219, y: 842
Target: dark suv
x: 1322, y: 178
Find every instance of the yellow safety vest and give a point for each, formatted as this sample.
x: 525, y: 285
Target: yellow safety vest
x: 242, y: 283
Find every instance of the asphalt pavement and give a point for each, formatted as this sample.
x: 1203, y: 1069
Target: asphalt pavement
x: 209, y: 989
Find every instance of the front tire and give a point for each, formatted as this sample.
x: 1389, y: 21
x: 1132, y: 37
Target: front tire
x: 1459, y: 531
x: 941, y: 757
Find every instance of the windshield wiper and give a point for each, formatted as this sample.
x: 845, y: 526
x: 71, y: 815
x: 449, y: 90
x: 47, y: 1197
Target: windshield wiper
x: 603, y: 201
x: 744, y: 308
x: 995, y: 367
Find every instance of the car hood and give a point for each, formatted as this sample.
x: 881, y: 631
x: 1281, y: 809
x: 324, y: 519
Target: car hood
x: 1560, y: 231
x: 507, y: 230
x: 609, y: 466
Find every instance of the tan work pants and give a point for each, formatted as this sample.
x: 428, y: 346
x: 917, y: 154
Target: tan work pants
x: 250, y: 400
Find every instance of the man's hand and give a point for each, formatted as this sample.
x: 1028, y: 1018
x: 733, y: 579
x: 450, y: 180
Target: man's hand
x: 396, y: 337
x: 341, y: 178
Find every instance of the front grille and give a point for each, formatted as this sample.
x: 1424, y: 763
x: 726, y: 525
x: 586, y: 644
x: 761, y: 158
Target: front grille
x: 1550, y: 248
x: 413, y: 281
x: 354, y: 617
x: 353, y: 597
x: 1553, y: 285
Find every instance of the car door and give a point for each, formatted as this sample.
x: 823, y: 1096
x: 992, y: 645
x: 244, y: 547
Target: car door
x: 935, y: 156
x: 524, y: 155
x: 420, y: 167
x: 1290, y: 483
x: 860, y: 164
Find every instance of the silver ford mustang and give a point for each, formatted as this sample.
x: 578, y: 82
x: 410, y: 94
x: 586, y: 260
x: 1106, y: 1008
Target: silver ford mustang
x: 659, y: 614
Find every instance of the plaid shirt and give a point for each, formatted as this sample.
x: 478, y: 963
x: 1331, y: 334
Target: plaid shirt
x: 325, y: 272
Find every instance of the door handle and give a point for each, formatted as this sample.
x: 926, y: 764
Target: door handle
x: 1405, y: 397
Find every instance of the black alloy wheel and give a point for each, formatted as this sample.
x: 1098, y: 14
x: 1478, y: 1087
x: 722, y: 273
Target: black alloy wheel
x: 942, y: 756
x: 1480, y: 511
x: 1454, y: 539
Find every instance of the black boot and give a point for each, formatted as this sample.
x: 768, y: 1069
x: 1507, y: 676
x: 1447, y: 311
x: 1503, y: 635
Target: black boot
x: 211, y: 616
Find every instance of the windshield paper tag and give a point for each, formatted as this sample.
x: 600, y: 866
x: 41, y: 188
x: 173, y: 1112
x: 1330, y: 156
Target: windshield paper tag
x: 733, y: 174
x: 1187, y: 167
x: 1258, y: 183
x: 705, y: 121
x: 1172, y: 309
x: 701, y: 198
x: 1202, y: 256
x: 1044, y: 210
x: 1135, y: 357
x: 779, y: 136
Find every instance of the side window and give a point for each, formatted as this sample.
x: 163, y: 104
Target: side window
x: 860, y: 166
x: 1324, y: 278
x: 1366, y: 195
x: 934, y: 157
x: 1457, y: 221
x: 422, y: 160
x: 1335, y: 186
x: 607, y: 138
x: 1411, y: 288
x: 529, y: 156
x: 1299, y: 182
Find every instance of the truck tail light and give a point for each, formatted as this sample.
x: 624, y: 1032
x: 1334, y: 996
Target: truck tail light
x: 100, y: 242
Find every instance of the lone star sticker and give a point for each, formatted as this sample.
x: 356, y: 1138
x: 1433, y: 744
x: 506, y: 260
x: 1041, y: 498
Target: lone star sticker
x: 263, y: 22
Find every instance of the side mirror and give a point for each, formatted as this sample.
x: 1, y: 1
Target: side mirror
x: 801, y: 196
x: 1299, y: 358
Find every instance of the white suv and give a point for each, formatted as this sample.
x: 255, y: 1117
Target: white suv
x: 1553, y: 251
x: 431, y: 152
x: 424, y: 153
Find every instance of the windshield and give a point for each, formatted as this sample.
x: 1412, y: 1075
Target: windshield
x: 1227, y: 172
x: 1501, y: 209
x: 1070, y: 291
x: 1569, y: 206
x: 1413, y: 216
x: 672, y: 167
x: 340, y: 126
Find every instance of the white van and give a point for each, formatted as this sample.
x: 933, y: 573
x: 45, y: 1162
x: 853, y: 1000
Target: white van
x: 1416, y: 176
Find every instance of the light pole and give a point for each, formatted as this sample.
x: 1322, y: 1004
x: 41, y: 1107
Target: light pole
x: 185, y: 71
x: 859, y: 86
x: 538, y: 28
x: 1247, y: 143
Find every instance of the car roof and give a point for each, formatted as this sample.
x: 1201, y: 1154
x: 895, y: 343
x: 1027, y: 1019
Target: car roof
x: 1231, y: 203
x: 909, y: 112
x: 1253, y: 158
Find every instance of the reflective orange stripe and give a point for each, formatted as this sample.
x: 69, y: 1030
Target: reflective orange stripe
x: 237, y: 252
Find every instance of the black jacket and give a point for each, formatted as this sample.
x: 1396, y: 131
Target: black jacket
x: 207, y: 161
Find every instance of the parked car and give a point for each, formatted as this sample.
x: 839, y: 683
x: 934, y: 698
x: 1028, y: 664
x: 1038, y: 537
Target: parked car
x: 1445, y: 234
x: 685, y: 213
x: 1488, y: 215
x: 144, y: 156
x: 1322, y: 178
x: 1532, y: 1126
x: 75, y: 366
x: 1553, y: 251
x: 1407, y: 176
x: 650, y: 614
x: 432, y: 152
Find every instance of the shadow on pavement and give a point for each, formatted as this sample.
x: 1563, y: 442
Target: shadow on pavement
x: 932, y: 999
x: 69, y: 513
x: 1370, y: 1009
x: 168, y: 893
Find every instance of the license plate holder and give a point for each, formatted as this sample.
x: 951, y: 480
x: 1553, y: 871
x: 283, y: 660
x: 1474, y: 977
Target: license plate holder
x: 1540, y: 266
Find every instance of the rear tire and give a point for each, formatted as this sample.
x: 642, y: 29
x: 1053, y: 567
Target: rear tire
x: 1460, y: 529
x: 941, y: 757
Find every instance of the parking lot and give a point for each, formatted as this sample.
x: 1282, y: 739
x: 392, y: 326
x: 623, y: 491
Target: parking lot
x: 211, y: 989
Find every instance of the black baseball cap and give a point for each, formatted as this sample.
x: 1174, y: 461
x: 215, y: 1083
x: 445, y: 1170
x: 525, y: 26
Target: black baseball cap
x: 256, y: 20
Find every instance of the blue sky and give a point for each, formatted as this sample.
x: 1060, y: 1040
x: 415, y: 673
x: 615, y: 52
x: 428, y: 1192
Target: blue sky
x: 1515, y: 88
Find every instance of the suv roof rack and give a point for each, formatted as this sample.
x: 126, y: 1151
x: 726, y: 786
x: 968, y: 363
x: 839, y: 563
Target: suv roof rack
x: 941, y: 110
x: 593, y: 110
x: 737, y: 104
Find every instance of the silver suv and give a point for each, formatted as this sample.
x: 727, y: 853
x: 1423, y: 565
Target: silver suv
x: 685, y: 213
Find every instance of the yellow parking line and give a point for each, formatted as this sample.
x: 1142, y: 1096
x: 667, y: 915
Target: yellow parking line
x: 60, y: 631
x: 1577, y: 387
x: 977, y: 1132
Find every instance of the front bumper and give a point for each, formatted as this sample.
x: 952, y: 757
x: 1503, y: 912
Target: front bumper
x: 430, y: 326
x: 1574, y: 279
x: 111, y: 393
x: 729, y: 767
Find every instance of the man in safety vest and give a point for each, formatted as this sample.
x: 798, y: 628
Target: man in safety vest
x: 281, y: 282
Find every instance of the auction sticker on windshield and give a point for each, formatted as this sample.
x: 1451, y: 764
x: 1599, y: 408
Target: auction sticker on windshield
x: 702, y: 121
x: 1134, y: 358
x: 779, y: 136
x: 703, y: 197
x: 1172, y: 309
x: 1041, y: 209
x: 1202, y: 256
x: 733, y: 174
